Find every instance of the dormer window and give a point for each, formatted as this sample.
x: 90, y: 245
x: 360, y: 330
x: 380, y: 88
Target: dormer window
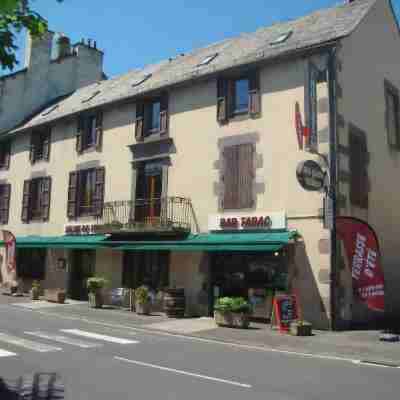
x: 92, y: 96
x: 207, y: 60
x: 141, y: 80
x: 40, y: 145
x: 281, y: 38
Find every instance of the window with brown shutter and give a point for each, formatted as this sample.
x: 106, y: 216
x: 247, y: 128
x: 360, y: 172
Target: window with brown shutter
x: 164, y: 114
x: 392, y: 115
x: 5, y: 154
x: 40, y: 145
x: 5, y: 192
x: 72, y: 195
x: 358, y: 165
x: 36, y: 199
x: 238, y: 176
x: 254, y: 94
x: 26, y: 197
x: 89, y: 131
x: 98, y: 199
x: 45, y: 198
x: 99, y: 130
x: 222, y: 100
x: 139, y: 121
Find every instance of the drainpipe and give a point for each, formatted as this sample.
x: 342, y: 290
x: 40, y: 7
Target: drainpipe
x: 333, y: 183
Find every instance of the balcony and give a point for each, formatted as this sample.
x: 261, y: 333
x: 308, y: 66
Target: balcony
x: 167, y: 214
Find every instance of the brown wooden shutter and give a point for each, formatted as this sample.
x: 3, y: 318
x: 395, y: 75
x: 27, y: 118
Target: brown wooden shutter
x: 32, y: 150
x: 79, y: 133
x: 7, y: 155
x: 231, y: 169
x: 5, y: 204
x: 254, y: 94
x: 99, y: 130
x: 26, y: 199
x: 46, y: 145
x: 98, y: 200
x: 222, y: 100
x: 164, y: 116
x: 364, y: 174
x: 359, y: 184
x: 246, y: 175
x: 72, y: 204
x: 139, y: 122
x: 45, y: 198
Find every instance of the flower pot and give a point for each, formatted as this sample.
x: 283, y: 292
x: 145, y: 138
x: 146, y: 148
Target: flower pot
x: 174, y: 303
x: 143, y: 308
x: 96, y: 299
x: 232, y: 319
x: 301, y: 329
x: 35, y: 292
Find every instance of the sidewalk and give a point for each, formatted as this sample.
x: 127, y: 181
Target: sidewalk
x: 358, y: 345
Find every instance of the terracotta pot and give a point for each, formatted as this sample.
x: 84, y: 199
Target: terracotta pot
x: 143, y: 308
x: 232, y: 319
x: 96, y: 299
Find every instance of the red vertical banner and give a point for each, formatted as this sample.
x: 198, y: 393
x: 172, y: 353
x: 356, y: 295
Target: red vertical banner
x: 8, y: 264
x: 299, y: 126
x: 362, y: 251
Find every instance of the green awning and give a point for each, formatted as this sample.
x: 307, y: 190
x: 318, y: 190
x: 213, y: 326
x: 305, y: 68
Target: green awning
x: 67, y: 241
x: 269, y: 241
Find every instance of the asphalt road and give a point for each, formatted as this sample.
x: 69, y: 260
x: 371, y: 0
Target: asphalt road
x: 103, y: 363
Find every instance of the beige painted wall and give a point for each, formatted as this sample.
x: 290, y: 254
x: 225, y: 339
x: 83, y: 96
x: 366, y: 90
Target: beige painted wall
x: 368, y: 56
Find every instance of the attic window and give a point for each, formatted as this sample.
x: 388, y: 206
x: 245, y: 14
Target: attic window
x: 91, y: 96
x: 50, y: 110
x: 141, y: 80
x: 207, y: 60
x: 281, y: 38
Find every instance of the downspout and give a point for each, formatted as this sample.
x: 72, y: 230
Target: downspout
x: 333, y: 183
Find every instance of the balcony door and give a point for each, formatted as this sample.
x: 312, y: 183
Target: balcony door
x: 148, y: 192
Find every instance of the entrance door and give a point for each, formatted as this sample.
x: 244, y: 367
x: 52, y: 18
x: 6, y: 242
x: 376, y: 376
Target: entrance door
x: 148, y: 193
x: 82, y: 268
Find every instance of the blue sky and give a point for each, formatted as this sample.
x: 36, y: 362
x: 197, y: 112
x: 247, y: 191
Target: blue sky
x: 135, y: 33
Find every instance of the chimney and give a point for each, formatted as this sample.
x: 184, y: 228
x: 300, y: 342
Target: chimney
x: 38, y: 51
x: 64, y: 46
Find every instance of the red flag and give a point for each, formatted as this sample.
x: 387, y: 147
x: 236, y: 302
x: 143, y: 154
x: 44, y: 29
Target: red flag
x: 299, y: 126
x: 362, y: 250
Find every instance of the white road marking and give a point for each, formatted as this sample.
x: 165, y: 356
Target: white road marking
x: 97, y: 336
x: 65, y: 339
x: 178, y: 371
x: 27, y: 344
x: 5, y: 353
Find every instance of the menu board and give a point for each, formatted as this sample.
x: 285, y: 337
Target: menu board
x: 285, y: 311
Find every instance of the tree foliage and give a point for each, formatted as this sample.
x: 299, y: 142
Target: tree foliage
x: 16, y: 15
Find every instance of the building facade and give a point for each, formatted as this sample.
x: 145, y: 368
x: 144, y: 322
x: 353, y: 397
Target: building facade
x: 183, y: 174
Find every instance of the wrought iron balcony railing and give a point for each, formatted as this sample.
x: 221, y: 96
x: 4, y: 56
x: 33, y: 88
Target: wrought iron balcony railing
x: 157, y: 214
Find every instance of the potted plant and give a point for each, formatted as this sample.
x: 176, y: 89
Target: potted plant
x: 301, y: 328
x: 95, y: 287
x: 142, y: 300
x: 35, y: 292
x: 233, y: 312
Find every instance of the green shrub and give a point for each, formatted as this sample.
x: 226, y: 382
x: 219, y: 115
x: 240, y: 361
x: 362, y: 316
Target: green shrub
x: 141, y: 295
x: 36, y: 285
x: 232, y: 304
x: 95, y: 283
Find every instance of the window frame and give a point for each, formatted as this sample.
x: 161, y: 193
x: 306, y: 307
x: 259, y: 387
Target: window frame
x: 5, y: 155
x: 391, y: 90
x: 148, y: 112
x: 38, y: 141
x: 37, y: 210
x: 89, y: 130
x: 234, y: 96
x: 84, y: 174
x: 5, y: 195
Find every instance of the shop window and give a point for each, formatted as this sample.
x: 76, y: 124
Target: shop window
x: 5, y: 155
x: 238, y: 176
x: 238, y: 95
x: 31, y: 263
x: 90, y: 131
x: 5, y: 192
x: 392, y: 115
x: 40, y: 145
x: 36, y: 199
x: 86, y: 192
x: 359, y: 187
x: 151, y: 117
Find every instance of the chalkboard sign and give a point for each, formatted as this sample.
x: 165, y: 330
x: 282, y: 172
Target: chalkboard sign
x: 285, y: 311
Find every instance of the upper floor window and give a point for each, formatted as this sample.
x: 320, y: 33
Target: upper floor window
x: 238, y: 95
x: 90, y: 131
x: 36, y: 199
x: 40, y: 145
x: 392, y: 115
x: 151, y: 117
x: 86, y: 192
x: 5, y: 155
x: 238, y: 176
x: 5, y: 192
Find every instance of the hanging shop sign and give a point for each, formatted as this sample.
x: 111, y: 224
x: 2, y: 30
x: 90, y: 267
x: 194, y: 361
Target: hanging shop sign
x: 363, y: 255
x: 264, y: 221
x: 310, y: 175
x: 8, y: 263
x: 285, y: 311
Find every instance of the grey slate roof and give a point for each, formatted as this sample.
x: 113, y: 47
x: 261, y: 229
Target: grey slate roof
x: 315, y: 29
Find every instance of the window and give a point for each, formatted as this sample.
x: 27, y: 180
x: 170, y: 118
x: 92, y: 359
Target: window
x: 281, y: 38
x: 40, y: 145
x: 5, y: 154
x: 392, y: 115
x: 207, y: 60
x: 50, y: 110
x: 358, y: 168
x: 90, y: 131
x: 141, y: 80
x: 36, y: 199
x: 238, y: 96
x: 92, y: 96
x: 86, y: 193
x: 26, y: 259
x: 5, y: 192
x: 238, y: 176
x: 151, y: 117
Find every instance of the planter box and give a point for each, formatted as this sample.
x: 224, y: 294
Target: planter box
x: 35, y: 293
x: 96, y: 299
x: 232, y: 319
x: 55, y: 295
x: 143, y: 308
x: 303, y: 329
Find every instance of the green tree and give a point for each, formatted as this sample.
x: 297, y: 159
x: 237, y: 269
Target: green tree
x: 15, y: 15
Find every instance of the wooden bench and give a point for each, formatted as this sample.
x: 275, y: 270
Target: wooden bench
x: 55, y: 295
